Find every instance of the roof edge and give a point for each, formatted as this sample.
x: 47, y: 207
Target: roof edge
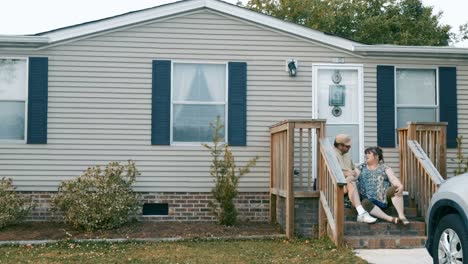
x: 122, y: 20
x: 184, y: 6
x: 141, y: 16
x: 23, y: 41
x: 279, y: 24
x: 420, y: 51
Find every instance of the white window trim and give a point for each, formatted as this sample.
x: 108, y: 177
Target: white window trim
x: 436, y: 106
x: 26, y: 79
x: 225, y: 103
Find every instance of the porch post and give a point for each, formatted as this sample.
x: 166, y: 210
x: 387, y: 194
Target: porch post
x: 320, y: 183
x: 272, y: 180
x: 290, y: 181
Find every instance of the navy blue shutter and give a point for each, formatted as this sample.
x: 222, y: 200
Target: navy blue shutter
x: 161, y: 103
x: 37, y: 100
x: 448, y: 102
x: 386, y: 106
x: 237, y: 105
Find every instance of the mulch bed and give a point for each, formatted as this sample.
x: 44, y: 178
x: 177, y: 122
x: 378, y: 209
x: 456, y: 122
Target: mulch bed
x: 57, y: 231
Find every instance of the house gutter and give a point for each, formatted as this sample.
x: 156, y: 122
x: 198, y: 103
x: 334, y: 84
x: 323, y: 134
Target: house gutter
x: 411, y: 51
x: 15, y: 41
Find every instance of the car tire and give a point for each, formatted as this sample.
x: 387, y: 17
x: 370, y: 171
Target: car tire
x: 448, y: 223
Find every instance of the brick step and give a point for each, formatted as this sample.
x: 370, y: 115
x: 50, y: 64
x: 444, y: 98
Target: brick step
x: 415, y: 228
x: 375, y: 242
x: 410, y: 212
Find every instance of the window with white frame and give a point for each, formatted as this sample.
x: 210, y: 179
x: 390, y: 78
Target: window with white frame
x: 416, y: 96
x: 198, y: 97
x: 13, y: 99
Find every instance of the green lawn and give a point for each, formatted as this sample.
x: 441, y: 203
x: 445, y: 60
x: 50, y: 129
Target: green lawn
x: 257, y: 251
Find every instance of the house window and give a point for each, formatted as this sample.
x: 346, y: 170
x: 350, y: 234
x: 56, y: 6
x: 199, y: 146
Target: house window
x: 13, y: 99
x: 416, y: 96
x: 198, y: 97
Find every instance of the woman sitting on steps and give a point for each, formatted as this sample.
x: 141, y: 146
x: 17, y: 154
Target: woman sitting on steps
x: 379, y: 187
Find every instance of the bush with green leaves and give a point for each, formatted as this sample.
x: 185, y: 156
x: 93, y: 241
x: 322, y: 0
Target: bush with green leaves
x: 226, y: 178
x: 13, y: 207
x: 99, y: 199
x: 460, y: 160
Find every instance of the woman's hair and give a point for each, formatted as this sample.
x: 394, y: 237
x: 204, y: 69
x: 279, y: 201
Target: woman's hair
x: 376, y: 151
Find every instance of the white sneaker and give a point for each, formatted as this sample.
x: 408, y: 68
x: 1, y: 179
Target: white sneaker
x: 366, y: 218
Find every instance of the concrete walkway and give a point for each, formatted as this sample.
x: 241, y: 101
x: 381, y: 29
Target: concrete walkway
x: 392, y: 256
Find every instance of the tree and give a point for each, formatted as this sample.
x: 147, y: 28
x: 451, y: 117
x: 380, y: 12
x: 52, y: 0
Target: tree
x: 398, y: 22
x: 462, y: 34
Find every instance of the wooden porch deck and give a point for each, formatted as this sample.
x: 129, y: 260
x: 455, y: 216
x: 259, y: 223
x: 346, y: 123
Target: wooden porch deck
x: 293, y: 158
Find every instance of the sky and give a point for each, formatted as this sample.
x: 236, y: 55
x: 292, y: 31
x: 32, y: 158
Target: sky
x: 45, y: 15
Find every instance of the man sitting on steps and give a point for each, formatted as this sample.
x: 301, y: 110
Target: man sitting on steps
x: 342, y: 146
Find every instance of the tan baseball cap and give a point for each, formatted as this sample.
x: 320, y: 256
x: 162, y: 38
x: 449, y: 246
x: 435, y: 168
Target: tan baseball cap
x: 343, y: 139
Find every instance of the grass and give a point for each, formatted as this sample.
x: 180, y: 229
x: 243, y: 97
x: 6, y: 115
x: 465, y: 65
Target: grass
x: 253, y: 251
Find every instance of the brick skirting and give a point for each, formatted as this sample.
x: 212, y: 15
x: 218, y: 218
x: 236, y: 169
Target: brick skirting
x: 183, y: 206
x: 305, y: 215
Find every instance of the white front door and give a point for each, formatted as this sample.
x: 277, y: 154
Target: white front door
x: 337, y: 91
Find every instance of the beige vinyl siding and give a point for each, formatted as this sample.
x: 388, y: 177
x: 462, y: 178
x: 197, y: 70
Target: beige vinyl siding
x: 100, y: 100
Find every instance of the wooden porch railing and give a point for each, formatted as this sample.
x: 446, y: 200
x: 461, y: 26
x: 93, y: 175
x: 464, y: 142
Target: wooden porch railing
x: 331, y: 186
x: 423, y: 161
x: 422, y: 176
x: 287, y: 141
x: 292, y: 151
x: 291, y: 166
x: 432, y: 137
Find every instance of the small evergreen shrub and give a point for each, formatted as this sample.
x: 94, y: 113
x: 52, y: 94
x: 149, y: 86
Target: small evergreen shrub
x: 226, y: 178
x: 13, y: 207
x: 461, y: 161
x: 99, y: 199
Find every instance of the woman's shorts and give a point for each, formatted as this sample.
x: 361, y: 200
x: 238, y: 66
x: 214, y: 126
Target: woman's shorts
x: 369, y: 204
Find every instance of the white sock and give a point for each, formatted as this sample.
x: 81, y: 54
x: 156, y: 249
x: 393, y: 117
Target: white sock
x: 360, y: 210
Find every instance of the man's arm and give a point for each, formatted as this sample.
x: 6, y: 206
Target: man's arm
x: 351, y: 175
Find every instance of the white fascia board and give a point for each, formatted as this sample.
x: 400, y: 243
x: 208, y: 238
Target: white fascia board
x: 24, y: 39
x: 279, y: 24
x: 124, y: 20
x: 417, y: 50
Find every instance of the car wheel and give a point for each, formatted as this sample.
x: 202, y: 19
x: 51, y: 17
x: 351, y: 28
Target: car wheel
x: 450, y: 244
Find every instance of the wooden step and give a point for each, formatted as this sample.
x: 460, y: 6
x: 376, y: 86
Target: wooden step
x: 382, y: 241
x: 415, y: 228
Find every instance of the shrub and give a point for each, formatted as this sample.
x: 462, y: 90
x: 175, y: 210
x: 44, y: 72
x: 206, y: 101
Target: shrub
x: 13, y: 207
x: 223, y: 169
x: 460, y: 160
x: 99, y: 199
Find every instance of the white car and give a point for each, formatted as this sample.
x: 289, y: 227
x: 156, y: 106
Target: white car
x: 447, y: 222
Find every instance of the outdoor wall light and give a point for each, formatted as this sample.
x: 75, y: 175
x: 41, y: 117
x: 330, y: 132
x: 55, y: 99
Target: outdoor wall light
x: 292, y: 67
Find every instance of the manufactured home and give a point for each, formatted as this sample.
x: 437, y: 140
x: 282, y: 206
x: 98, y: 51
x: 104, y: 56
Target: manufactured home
x: 144, y: 86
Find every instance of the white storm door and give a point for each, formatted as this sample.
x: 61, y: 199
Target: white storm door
x: 337, y: 91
